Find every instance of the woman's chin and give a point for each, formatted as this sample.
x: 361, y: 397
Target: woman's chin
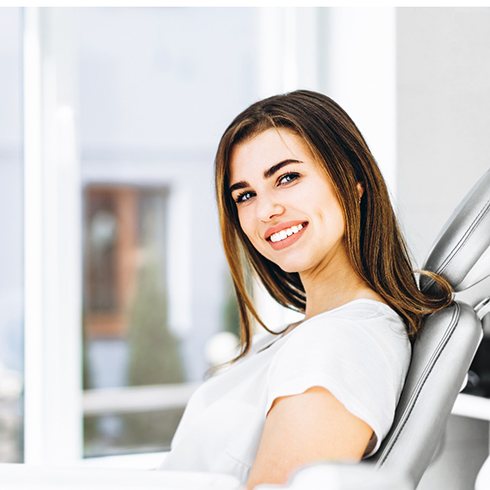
x: 290, y: 264
x: 291, y: 267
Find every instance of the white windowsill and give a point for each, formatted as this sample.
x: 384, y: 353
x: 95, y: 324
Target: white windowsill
x: 472, y: 406
x: 144, y: 461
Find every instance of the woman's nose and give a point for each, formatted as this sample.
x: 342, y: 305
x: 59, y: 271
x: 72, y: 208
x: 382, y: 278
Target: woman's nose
x: 268, y: 208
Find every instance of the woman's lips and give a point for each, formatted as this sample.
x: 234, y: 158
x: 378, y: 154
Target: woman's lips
x: 289, y: 240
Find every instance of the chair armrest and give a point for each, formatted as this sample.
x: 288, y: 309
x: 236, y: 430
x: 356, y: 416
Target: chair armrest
x: 483, y: 478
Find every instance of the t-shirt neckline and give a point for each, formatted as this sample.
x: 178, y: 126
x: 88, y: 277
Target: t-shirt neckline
x: 283, y: 335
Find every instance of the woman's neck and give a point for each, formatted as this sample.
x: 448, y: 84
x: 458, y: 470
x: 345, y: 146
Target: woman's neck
x: 333, y: 284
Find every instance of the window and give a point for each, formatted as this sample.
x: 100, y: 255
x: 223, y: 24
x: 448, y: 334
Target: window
x: 154, y: 98
x: 127, y: 337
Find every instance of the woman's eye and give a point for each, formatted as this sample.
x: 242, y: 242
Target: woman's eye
x: 244, y: 196
x: 286, y: 178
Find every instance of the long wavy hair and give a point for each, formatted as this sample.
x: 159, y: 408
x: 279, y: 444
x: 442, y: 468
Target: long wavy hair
x: 373, y: 240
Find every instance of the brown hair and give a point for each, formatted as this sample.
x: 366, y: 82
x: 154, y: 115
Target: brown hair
x: 373, y: 239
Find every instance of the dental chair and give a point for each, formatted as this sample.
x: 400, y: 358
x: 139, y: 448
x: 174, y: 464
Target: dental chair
x: 441, y: 357
x: 443, y: 352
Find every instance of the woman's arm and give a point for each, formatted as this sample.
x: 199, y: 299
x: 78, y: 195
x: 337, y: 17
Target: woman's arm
x: 305, y: 428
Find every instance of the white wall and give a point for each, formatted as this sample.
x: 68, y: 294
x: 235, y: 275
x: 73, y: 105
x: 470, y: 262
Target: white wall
x: 359, y: 74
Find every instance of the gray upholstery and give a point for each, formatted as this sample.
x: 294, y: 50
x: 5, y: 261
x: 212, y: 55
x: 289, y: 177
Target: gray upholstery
x: 441, y: 358
x: 445, y: 348
x: 464, y: 241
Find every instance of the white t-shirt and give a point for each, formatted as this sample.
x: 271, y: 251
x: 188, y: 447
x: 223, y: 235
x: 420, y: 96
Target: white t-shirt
x: 359, y: 351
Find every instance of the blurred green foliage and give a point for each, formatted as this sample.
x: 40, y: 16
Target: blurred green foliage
x: 154, y: 354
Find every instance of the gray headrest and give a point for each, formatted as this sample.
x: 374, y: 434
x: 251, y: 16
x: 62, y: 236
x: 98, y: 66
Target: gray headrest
x: 461, y: 253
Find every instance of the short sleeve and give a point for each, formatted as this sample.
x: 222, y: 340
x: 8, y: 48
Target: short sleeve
x: 362, y: 363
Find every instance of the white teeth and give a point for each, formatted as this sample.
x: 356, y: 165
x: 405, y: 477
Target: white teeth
x: 281, y: 235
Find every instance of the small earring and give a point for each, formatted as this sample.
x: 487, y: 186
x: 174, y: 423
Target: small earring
x: 360, y: 199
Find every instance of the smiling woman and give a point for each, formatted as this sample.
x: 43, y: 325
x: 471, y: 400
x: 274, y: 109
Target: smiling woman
x: 304, y: 207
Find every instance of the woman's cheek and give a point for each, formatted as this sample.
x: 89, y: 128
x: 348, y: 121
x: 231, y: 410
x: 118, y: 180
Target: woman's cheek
x: 246, y: 225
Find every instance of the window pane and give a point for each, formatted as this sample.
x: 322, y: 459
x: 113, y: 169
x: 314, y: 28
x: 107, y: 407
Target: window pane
x: 157, y: 88
x: 11, y: 223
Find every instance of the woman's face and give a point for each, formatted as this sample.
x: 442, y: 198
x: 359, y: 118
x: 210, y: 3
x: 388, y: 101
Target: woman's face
x: 286, y: 204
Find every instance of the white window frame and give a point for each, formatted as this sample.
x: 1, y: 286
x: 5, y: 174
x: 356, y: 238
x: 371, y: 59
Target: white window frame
x: 53, y: 419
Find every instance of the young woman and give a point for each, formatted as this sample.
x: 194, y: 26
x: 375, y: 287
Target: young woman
x: 303, y: 206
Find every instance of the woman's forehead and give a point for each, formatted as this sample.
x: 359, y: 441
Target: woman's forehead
x: 266, y: 149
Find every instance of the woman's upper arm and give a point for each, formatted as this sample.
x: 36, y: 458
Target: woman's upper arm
x: 305, y: 428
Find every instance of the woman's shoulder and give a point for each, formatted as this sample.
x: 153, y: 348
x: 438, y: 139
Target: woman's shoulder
x: 264, y: 339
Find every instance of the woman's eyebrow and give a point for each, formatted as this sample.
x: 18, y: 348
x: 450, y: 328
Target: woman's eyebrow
x: 267, y: 174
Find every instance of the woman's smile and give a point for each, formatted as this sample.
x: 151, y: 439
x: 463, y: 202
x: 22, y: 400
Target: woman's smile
x: 287, y: 235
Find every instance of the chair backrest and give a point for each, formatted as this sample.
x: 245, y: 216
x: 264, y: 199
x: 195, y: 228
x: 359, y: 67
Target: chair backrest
x: 444, y: 350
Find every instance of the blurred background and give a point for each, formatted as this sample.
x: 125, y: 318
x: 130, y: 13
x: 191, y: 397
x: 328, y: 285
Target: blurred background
x: 114, y: 294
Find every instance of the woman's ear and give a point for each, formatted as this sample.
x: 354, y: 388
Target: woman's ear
x: 360, y: 190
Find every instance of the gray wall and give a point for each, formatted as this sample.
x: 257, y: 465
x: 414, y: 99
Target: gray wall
x: 443, y: 114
